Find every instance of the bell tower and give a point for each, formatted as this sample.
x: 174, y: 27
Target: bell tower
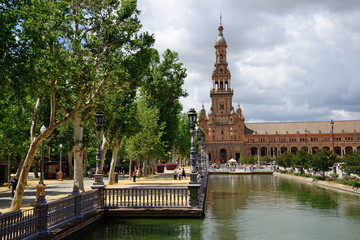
x: 221, y: 93
x: 224, y: 127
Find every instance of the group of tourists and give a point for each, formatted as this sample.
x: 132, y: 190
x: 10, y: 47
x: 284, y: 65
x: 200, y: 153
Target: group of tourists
x: 179, y: 174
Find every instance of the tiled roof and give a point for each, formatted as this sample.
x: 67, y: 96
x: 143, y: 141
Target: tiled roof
x: 299, y: 127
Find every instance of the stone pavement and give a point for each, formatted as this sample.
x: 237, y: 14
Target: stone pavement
x: 56, y: 189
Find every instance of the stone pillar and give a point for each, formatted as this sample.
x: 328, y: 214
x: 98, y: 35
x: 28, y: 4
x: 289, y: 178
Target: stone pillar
x: 41, y: 211
x: 78, y: 197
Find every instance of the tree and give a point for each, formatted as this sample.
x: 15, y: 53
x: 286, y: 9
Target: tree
x: 284, y: 160
x: 351, y: 163
x: 182, y: 141
x: 147, y: 142
x: 163, y: 85
x: 301, y: 160
x: 120, y: 110
x: 77, y: 51
x: 322, y: 160
x: 248, y: 159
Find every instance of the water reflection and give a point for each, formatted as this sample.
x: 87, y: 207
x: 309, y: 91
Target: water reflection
x: 249, y: 207
x: 270, y: 207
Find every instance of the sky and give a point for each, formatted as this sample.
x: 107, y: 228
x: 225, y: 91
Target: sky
x: 290, y: 61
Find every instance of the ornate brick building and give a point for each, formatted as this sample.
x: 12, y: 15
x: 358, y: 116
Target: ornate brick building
x: 228, y: 136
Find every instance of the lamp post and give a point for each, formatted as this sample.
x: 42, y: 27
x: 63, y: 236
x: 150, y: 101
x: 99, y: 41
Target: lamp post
x: 273, y: 161
x: 332, y: 136
x: 199, y: 162
x: 193, y: 185
x: 205, y: 155
x: 99, y: 183
x: 259, y: 155
x: 306, y: 140
x: 60, y: 174
x: 40, y: 188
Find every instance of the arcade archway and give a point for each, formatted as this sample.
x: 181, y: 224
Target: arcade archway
x: 223, y: 157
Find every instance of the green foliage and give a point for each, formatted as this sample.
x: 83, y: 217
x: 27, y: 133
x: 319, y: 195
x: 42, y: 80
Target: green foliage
x: 163, y: 87
x: 147, y: 141
x: 284, y: 160
x: 248, y: 159
x: 322, y: 160
x: 334, y: 175
x: 266, y: 160
x: 351, y: 163
x: 301, y: 160
x: 182, y: 141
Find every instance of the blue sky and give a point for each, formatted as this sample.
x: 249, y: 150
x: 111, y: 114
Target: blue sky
x: 289, y: 60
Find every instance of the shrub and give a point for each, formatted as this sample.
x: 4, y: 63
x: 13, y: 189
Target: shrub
x: 171, y: 166
x: 334, y: 175
x: 308, y: 175
x: 297, y: 174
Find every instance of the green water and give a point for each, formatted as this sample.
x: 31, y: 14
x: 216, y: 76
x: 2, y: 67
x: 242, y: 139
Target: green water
x: 249, y: 207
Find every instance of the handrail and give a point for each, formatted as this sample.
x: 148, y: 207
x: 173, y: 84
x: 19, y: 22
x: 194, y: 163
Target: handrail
x: 18, y: 224
x: 153, y: 197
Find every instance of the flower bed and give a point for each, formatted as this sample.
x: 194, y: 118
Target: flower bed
x: 160, y: 168
x: 171, y: 166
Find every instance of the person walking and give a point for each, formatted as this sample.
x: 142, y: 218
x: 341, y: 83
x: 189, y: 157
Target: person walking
x: 134, y: 175
x: 14, y: 182
x: 175, y: 173
x: 179, y: 173
x: 183, y: 174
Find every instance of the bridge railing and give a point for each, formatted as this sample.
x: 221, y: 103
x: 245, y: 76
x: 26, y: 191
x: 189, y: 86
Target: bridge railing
x: 153, y: 197
x: 47, y: 216
x: 19, y: 224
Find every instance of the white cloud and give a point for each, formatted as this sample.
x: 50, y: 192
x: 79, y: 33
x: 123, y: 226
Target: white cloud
x: 289, y: 60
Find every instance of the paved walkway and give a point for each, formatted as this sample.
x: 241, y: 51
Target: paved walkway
x: 56, y: 189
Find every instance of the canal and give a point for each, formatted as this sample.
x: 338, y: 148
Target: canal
x: 249, y: 207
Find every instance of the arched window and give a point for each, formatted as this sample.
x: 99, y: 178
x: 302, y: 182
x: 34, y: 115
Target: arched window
x: 221, y: 58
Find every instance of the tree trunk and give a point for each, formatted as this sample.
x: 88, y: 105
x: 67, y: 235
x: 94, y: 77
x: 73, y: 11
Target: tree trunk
x: 78, y: 151
x: 85, y: 163
x: 146, y: 167
x: 104, y: 148
x: 8, y: 170
x: 20, y: 166
x: 16, y: 202
x: 130, y: 165
x: 70, y: 165
x: 115, y: 148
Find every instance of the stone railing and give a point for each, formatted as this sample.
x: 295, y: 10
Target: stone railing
x: 145, y: 197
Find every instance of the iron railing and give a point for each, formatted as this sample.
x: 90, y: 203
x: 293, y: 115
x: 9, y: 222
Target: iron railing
x: 20, y: 224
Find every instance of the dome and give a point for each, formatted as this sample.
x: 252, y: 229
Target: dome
x: 220, y: 40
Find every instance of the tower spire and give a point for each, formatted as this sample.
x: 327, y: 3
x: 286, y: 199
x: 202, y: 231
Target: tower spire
x: 220, y: 20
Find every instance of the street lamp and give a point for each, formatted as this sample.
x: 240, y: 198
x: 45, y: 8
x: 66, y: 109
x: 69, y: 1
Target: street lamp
x: 60, y: 174
x: 99, y: 183
x: 193, y: 185
x: 306, y: 140
x: 258, y: 153
x: 199, y: 162
x: 332, y: 135
x: 40, y: 188
x: 192, y: 120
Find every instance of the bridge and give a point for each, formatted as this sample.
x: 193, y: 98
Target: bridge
x: 56, y: 219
